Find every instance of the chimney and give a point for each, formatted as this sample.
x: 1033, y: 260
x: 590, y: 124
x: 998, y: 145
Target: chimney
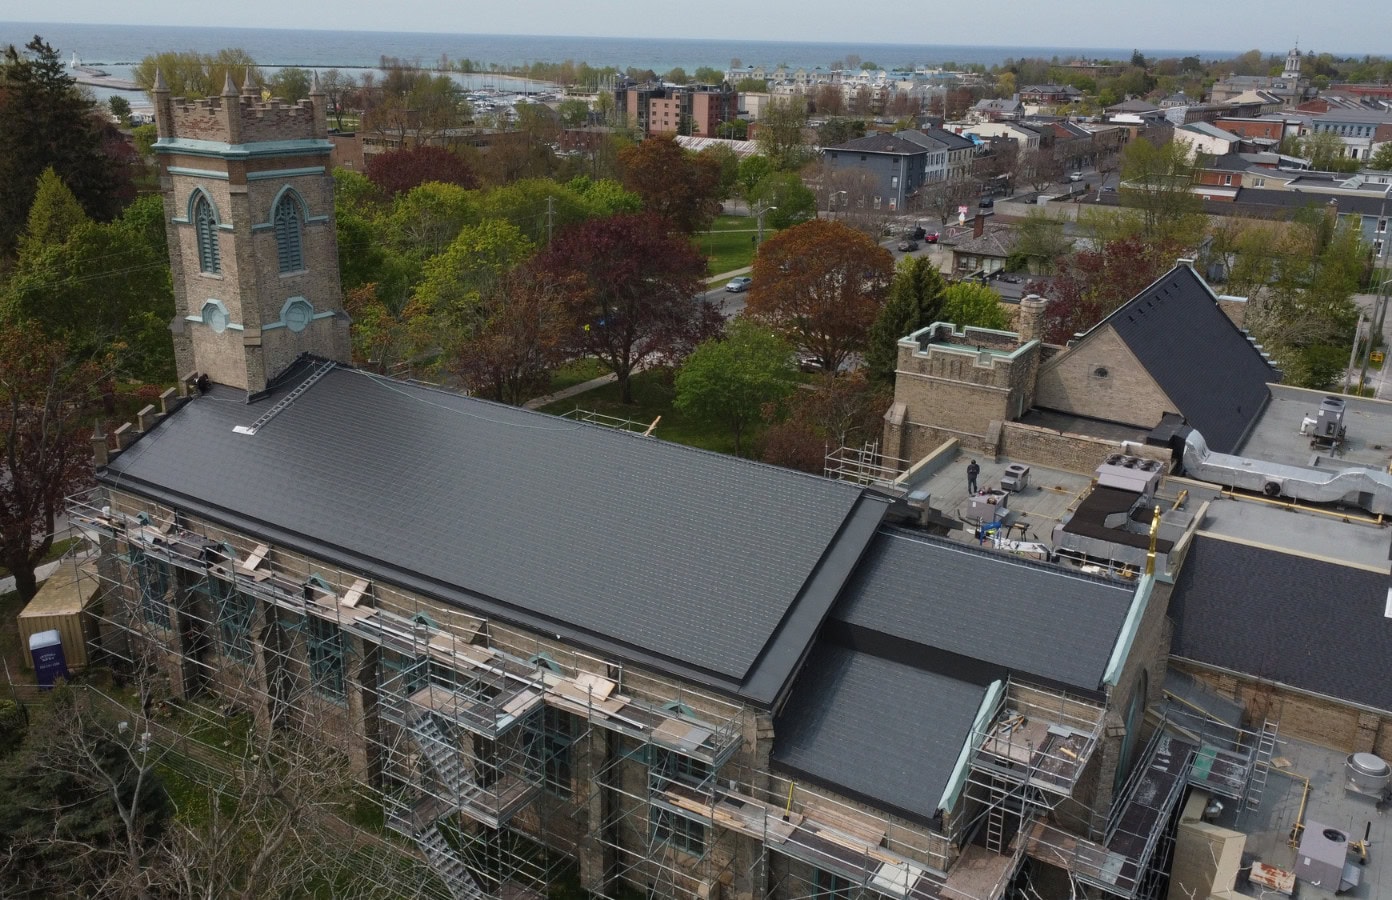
x: 1032, y: 318
x: 979, y: 226
x: 101, y: 454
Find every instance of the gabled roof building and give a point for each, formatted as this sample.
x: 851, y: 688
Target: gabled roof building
x: 551, y: 650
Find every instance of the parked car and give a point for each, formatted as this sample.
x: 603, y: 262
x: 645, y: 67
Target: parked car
x: 931, y: 237
x: 986, y: 203
x: 1075, y: 176
x: 739, y: 284
x: 908, y: 245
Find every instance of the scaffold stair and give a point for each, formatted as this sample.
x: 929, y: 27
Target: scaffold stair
x: 449, y: 866
x: 447, y: 763
x: 1261, y: 764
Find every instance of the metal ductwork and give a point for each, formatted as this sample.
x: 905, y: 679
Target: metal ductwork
x: 1368, y: 489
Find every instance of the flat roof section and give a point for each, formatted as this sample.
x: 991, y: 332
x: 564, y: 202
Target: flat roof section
x: 1038, y: 508
x: 702, y: 565
x: 1276, y: 436
x: 1281, y: 526
x: 1268, y: 827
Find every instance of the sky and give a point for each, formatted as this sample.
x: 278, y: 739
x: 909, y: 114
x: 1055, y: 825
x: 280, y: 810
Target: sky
x: 1339, y: 26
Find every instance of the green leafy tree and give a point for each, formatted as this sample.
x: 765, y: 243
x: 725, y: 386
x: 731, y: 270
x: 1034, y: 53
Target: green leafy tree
x: 46, y: 123
x: 1156, y: 182
x: 969, y: 303
x: 781, y: 133
x: 53, y: 215
x: 728, y: 380
x: 788, y: 200
x: 1382, y: 159
x: 915, y: 301
x: 752, y: 86
x: 707, y: 75
x: 1300, y: 279
x: 424, y: 220
x: 752, y: 170
x: 729, y: 162
x: 192, y: 74
x: 473, y: 263
x: 103, y: 288
x: 604, y: 196
x: 291, y: 84
x: 144, y: 137
x: 120, y: 108
x: 573, y: 112
x: 837, y: 131
x: 677, y: 76
x: 1040, y: 242
x: 539, y: 207
x: 1325, y: 151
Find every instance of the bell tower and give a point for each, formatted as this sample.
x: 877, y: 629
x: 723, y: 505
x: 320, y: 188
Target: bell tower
x: 248, y: 201
x: 1292, y: 70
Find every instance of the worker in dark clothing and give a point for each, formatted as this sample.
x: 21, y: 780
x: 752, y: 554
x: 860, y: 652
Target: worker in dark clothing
x: 973, y: 470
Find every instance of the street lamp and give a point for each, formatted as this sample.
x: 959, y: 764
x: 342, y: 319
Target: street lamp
x: 759, y: 215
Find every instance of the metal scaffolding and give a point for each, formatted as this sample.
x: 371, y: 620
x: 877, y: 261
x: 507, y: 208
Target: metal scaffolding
x: 508, y: 763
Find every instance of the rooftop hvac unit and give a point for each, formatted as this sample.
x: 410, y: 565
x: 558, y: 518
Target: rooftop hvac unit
x: 1015, y: 478
x: 1367, y: 774
x: 1130, y: 473
x: 1329, y: 424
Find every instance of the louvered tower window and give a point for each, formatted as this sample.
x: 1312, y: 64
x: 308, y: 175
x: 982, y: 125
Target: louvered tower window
x: 205, y: 224
x: 287, y: 234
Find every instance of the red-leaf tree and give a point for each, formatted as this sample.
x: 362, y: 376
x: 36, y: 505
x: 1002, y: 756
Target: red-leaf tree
x: 821, y: 284
x: 522, y: 331
x: 397, y: 171
x: 636, y: 294
x: 682, y: 187
x: 1091, y: 284
x: 45, y: 454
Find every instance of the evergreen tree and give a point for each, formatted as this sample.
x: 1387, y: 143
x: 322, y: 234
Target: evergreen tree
x: 45, y: 122
x: 915, y: 301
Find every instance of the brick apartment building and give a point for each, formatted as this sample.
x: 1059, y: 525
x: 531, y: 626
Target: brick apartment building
x: 695, y: 110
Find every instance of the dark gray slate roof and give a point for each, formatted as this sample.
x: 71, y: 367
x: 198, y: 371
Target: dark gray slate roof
x: 953, y: 141
x: 1305, y: 622
x: 877, y: 730
x: 1198, y: 357
x: 879, y: 143
x: 707, y: 566
x: 1013, y: 615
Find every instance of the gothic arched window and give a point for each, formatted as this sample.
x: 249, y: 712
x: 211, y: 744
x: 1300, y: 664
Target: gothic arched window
x: 206, y: 227
x: 288, y: 222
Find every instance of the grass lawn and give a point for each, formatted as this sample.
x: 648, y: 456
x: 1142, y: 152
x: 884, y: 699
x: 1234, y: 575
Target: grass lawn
x: 729, y: 245
x: 573, y: 373
x: 58, y: 549
x: 653, y: 397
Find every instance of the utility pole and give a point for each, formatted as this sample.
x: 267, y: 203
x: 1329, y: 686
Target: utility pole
x: 550, y: 218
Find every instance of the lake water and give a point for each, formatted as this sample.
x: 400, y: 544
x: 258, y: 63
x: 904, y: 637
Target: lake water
x: 117, y: 47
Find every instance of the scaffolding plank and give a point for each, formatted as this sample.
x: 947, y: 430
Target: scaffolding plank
x: 254, y: 558
x: 355, y: 593
x: 868, y: 833
x: 597, y: 686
